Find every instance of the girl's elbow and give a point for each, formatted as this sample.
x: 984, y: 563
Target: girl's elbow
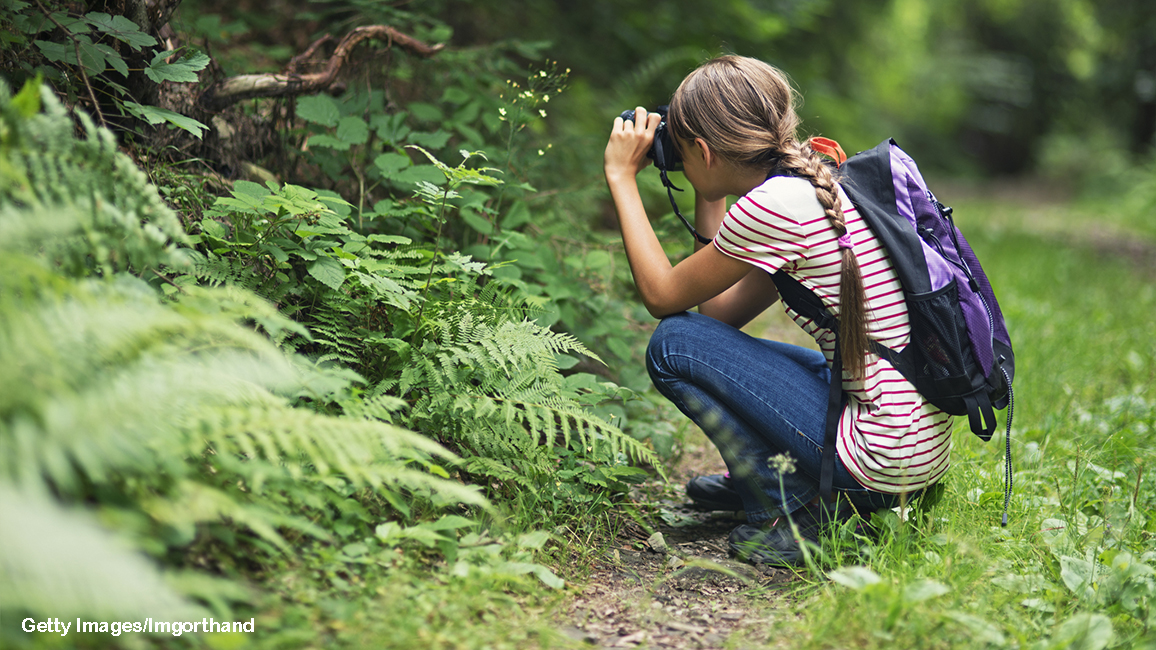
x: 659, y: 308
x: 659, y: 312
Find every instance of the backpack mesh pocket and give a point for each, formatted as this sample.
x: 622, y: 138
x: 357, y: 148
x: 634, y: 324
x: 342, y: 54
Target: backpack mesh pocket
x: 943, y: 362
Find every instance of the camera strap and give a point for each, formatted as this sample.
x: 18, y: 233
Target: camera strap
x: 670, y: 187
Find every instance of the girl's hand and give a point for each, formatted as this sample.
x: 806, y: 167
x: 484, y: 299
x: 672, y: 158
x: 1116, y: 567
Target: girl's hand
x: 629, y: 141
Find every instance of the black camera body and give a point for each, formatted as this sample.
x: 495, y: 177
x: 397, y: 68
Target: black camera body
x: 666, y: 159
x: 662, y: 152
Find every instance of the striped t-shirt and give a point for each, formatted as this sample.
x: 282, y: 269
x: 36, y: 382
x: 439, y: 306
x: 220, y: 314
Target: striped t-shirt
x: 890, y: 438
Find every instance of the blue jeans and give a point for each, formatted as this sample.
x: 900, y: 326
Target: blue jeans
x: 754, y: 399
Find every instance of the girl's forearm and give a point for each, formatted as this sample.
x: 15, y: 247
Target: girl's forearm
x: 648, y: 262
x: 708, y: 216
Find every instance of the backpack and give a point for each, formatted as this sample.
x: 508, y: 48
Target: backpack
x: 960, y: 355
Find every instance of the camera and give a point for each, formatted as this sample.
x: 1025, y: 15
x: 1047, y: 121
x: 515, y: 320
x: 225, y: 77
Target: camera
x: 666, y: 159
x: 662, y: 152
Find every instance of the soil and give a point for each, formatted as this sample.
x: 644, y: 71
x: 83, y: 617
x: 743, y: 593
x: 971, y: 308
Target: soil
x: 674, y: 586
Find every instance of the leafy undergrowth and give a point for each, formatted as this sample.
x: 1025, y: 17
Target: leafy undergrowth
x: 383, y: 468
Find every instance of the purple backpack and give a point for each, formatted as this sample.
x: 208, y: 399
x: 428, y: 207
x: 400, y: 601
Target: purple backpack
x: 960, y: 355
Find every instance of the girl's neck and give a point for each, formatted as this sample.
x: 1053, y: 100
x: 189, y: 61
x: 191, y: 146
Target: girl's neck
x: 744, y: 179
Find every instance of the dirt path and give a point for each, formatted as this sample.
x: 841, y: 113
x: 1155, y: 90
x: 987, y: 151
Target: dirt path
x: 676, y: 588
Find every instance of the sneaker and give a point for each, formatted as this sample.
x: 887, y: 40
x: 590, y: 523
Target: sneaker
x: 776, y: 544
x: 714, y: 492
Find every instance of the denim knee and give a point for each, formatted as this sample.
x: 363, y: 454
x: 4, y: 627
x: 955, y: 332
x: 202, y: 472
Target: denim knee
x: 674, y: 328
x: 654, y: 348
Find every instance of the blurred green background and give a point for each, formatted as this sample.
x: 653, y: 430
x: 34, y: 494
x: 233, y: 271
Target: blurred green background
x: 974, y: 87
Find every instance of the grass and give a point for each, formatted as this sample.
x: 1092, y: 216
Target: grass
x: 1074, y: 566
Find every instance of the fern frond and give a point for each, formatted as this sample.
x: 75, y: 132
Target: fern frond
x: 62, y: 563
x: 491, y: 385
x: 125, y: 221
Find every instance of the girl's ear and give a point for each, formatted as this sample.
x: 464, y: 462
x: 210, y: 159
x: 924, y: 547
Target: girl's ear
x: 703, y: 149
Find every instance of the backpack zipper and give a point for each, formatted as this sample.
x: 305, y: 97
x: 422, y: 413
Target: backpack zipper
x: 945, y: 213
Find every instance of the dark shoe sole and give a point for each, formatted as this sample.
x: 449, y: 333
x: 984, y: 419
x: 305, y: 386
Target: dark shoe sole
x: 713, y: 493
x: 774, y: 547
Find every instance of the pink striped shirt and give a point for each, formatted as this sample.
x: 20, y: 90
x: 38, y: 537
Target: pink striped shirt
x: 890, y: 438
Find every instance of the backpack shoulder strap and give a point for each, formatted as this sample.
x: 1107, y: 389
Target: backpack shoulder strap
x: 868, y: 179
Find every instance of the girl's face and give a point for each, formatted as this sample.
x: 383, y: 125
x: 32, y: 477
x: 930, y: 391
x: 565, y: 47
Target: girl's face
x: 701, y: 168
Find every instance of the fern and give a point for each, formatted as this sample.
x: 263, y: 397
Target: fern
x: 124, y: 220
x: 490, y: 385
x: 172, y: 415
x: 63, y: 562
x: 433, y: 329
x: 332, y: 333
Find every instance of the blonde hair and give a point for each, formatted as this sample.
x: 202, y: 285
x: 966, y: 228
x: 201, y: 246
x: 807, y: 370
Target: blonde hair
x: 745, y: 111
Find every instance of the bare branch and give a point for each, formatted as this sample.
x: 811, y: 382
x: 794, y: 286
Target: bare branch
x: 234, y: 89
x: 296, y: 62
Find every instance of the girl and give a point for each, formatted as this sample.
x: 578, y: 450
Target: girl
x: 733, y: 123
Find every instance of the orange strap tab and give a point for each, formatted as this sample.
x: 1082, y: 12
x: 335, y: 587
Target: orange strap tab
x: 828, y: 148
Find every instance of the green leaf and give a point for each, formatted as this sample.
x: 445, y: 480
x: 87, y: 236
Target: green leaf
x: 435, y: 140
x: 565, y: 361
x: 155, y: 115
x: 452, y: 522
x: 318, y: 109
x: 92, y: 57
x: 548, y: 577
x: 427, y: 173
x: 37, y: 22
x: 981, y: 630
x: 276, y: 252
x: 251, y: 189
x: 120, y: 28
x: 475, y: 221
x: 620, y: 348
x: 425, y: 112
x: 390, y: 239
x: 56, y: 52
x: 184, y: 70
x: 58, y: 559
x: 390, y: 128
x: 214, y: 229
x: 534, y: 540
x: 855, y: 577
x: 1084, y: 632
x: 518, y: 215
x: 356, y: 549
x: 1079, y: 575
x: 921, y: 590
x: 391, y: 163
x: 352, y: 129
x: 113, y: 59
x: 455, y: 95
x: 27, y: 101
x: 334, y: 202
x: 543, y: 573
x: 327, y: 141
x: 328, y: 271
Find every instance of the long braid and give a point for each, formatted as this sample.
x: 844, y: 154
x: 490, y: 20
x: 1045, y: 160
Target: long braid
x: 745, y: 109
x: 853, y: 341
